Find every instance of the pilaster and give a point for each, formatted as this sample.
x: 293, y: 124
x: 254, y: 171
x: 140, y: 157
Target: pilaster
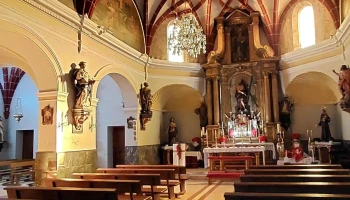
x: 267, y: 99
x: 275, y: 96
x: 216, y: 100
x: 209, y: 101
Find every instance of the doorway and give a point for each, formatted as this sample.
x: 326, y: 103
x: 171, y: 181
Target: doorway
x: 118, y: 145
x: 27, y: 144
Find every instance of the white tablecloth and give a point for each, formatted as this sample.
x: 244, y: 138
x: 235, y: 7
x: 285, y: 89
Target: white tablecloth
x: 182, y: 160
x: 194, y: 154
x: 306, y: 161
x: 326, y: 144
x: 254, y: 149
x: 268, y: 146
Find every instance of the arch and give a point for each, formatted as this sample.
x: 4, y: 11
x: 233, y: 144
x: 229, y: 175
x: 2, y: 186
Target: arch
x: 114, y: 69
x: 24, y: 48
x: 175, y: 97
x: 317, y: 88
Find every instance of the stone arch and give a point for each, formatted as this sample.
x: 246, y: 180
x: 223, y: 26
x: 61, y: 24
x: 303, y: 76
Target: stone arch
x: 313, y: 88
x: 113, y: 69
x: 169, y: 96
x: 24, y: 48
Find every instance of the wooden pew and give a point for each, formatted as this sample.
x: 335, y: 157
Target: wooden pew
x: 152, y: 180
x: 44, y: 193
x: 18, y: 169
x: 180, y: 173
x: 166, y: 175
x: 279, y: 196
x: 296, y: 167
x: 297, y: 171
x: 5, y: 167
x: 296, y: 187
x: 123, y: 186
x: 295, y: 178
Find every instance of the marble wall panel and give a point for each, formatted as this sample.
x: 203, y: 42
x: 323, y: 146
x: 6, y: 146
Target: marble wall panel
x: 142, y: 155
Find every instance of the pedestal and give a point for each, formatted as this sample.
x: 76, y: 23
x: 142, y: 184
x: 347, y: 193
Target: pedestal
x: 179, y: 154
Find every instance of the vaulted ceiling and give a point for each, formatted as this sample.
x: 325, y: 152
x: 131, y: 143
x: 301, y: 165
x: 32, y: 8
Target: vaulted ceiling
x: 272, y: 12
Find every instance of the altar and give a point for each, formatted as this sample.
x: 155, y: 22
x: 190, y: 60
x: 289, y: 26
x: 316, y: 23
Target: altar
x: 325, y: 150
x: 236, y: 149
x: 269, y: 146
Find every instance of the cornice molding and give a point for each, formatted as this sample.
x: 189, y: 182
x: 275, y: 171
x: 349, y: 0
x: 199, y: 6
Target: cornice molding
x: 339, y: 39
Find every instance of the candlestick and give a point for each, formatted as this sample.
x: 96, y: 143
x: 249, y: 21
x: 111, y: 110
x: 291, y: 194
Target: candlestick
x: 201, y: 133
x: 278, y: 128
x: 206, y: 137
x: 216, y: 139
x: 311, y: 133
x: 307, y: 133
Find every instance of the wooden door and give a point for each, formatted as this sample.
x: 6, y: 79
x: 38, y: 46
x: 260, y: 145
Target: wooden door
x: 27, y: 145
x: 118, y: 135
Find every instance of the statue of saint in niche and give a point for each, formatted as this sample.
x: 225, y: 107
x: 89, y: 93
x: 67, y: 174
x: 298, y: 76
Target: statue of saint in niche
x: 285, y: 110
x: 240, y: 46
x: 241, y: 95
x: 172, y: 132
x: 84, y: 83
x: 324, y: 123
x: 202, y: 111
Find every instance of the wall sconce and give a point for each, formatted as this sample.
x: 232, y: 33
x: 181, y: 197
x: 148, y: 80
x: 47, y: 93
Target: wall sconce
x: 91, y: 124
x: 63, y: 123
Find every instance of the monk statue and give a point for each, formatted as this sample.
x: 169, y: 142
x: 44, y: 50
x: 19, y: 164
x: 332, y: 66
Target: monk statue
x: 203, y: 114
x: 145, y: 98
x: 172, y: 132
x: 83, y: 83
x: 324, y: 123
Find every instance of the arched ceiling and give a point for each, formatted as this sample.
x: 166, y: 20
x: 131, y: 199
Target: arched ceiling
x: 313, y: 88
x: 272, y: 13
x: 176, y: 97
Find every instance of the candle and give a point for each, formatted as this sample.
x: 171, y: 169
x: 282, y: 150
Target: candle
x: 278, y: 128
x: 201, y: 133
x: 311, y: 133
x: 206, y: 137
x: 307, y: 133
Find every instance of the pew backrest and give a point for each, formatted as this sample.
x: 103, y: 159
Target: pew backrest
x: 165, y: 174
x: 145, y: 179
x: 61, y: 193
x: 122, y: 186
x: 178, y: 169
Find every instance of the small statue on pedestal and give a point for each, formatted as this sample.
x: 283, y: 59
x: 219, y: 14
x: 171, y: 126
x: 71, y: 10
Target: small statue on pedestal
x: 172, y: 132
x: 324, y: 123
x: 146, y: 103
x: 285, y: 110
x: 202, y: 111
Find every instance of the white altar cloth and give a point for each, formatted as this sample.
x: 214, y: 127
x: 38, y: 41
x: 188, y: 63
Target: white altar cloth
x: 182, y: 160
x: 269, y: 146
x: 251, y: 149
x: 194, y: 154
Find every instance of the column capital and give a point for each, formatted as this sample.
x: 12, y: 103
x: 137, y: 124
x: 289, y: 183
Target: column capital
x: 274, y: 73
x: 266, y: 74
x: 52, y: 95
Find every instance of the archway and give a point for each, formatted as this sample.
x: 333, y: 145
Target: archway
x: 22, y: 48
x: 311, y: 91
x: 178, y: 101
x: 117, y: 103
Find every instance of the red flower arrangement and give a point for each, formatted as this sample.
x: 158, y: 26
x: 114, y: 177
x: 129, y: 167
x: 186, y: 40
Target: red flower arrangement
x: 222, y: 139
x: 263, y: 138
x: 295, y: 136
x: 196, y: 139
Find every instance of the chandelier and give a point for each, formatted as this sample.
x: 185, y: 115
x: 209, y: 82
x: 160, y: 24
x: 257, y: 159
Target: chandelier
x: 187, y: 35
x: 18, y: 113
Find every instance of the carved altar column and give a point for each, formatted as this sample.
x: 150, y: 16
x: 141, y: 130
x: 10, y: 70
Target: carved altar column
x: 275, y: 96
x: 267, y: 99
x: 216, y: 100
x: 227, y: 58
x: 209, y: 101
x: 224, y: 94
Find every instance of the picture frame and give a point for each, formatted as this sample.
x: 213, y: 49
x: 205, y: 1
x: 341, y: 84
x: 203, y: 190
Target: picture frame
x: 130, y: 122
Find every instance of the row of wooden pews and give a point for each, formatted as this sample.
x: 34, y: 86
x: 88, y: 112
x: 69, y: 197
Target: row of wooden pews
x: 135, y: 182
x: 12, y: 171
x: 292, y: 182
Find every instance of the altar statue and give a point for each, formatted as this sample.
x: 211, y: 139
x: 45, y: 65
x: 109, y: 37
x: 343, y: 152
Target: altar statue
x: 203, y: 115
x: 242, y: 107
x: 145, y: 98
x: 240, y: 45
x: 83, y: 83
x: 172, y: 132
x: 324, y: 123
x: 285, y: 110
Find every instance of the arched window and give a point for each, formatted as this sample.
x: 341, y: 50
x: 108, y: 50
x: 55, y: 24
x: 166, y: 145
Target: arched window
x: 171, y: 56
x: 306, y: 27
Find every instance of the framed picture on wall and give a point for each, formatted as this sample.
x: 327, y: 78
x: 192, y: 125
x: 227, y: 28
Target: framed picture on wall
x: 130, y: 122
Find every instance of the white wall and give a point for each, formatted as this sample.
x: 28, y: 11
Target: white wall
x: 305, y: 117
x: 110, y: 112
x: 27, y: 90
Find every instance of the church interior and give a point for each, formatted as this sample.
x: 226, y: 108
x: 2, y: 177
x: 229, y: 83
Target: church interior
x: 174, y: 99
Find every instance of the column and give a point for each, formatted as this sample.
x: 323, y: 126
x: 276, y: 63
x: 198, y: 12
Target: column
x: 275, y: 96
x: 225, y: 97
x: 209, y: 101
x: 216, y: 101
x: 267, y: 96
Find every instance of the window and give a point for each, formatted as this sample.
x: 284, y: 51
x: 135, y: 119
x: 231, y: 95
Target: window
x: 306, y: 26
x: 171, y: 56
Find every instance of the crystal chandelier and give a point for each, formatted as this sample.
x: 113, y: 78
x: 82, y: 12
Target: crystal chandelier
x: 187, y: 35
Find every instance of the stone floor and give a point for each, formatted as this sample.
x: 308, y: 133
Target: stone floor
x: 197, y: 187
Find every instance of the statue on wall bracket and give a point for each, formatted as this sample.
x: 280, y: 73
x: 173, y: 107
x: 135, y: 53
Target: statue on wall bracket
x: 286, y: 107
x: 344, y: 87
x: 84, y: 85
x: 145, y: 97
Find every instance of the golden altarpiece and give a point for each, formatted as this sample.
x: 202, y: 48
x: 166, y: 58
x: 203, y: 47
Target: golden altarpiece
x: 241, y: 72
